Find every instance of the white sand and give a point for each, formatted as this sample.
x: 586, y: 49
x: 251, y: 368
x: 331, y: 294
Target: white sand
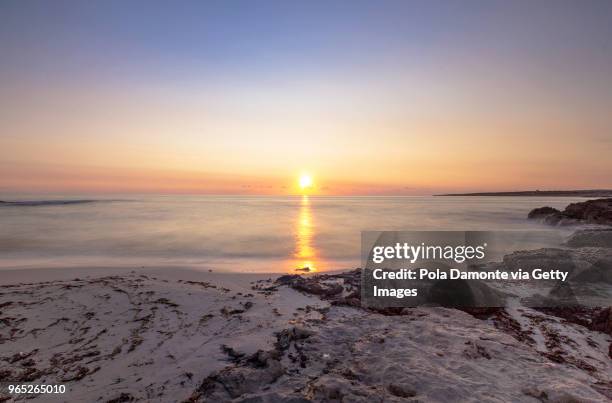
x: 150, y: 335
x: 125, y: 333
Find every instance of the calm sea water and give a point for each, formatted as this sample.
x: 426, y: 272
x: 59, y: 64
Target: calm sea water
x: 240, y: 233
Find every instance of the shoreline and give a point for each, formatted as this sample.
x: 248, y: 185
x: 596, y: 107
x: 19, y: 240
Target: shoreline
x: 46, y: 274
x: 595, y: 193
x: 168, y: 333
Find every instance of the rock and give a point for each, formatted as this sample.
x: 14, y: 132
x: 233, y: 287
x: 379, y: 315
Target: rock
x: 560, y: 259
x: 601, y: 238
x: 123, y: 397
x: 288, y: 279
x: 400, y: 390
x: 583, y: 265
x: 249, y: 374
x: 274, y: 398
x: 233, y: 382
x: 596, y: 319
x: 285, y: 337
x: 599, y: 272
x: 541, y: 212
x: 232, y: 354
x: 5, y: 375
x: 602, y: 322
x: 598, y: 211
x: 261, y: 359
x: 462, y: 294
x: 344, y: 289
x: 316, y: 285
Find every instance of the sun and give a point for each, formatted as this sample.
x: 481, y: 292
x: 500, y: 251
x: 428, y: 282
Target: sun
x: 305, y: 181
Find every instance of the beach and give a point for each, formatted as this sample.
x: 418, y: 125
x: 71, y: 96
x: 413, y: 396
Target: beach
x: 180, y: 335
x: 196, y: 334
x: 140, y: 333
x: 305, y: 201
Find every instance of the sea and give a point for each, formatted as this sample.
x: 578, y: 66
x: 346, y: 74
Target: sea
x: 244, y: 233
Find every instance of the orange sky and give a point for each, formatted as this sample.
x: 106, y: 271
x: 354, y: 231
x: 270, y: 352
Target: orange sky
x: 101, y: 142
x: 439, y: 100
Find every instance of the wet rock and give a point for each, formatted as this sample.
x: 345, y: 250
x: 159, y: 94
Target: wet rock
x: 541, y: 212
x: 598, y: 211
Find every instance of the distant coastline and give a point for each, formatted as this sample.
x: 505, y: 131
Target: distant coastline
x: 554, y: 193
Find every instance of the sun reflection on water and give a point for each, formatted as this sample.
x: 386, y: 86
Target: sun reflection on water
x: 305, y: 254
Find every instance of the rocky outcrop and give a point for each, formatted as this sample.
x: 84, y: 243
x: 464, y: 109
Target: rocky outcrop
x: 583, y: 265
x: 542, y: 212
x: 345, y: 289
x: 561, y: 259
x: 597, y: 211
x: 316, y: 285
x: 427, y: 355
x: 600, y: 238
x: 255, y: 372
x: 339, y: 289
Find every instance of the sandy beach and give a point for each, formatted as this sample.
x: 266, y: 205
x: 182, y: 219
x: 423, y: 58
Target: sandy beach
x: 180, y: 335
x: 135, y: 330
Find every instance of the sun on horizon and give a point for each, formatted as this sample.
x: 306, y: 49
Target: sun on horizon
x: 305, y: 181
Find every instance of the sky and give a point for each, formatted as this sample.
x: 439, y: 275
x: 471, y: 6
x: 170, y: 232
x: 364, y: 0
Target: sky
x: 242, y: 97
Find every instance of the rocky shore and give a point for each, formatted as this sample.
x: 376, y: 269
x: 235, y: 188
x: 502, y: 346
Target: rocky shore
x: 221, y: 337
x: 516, y: 353
x: 598, y: 211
